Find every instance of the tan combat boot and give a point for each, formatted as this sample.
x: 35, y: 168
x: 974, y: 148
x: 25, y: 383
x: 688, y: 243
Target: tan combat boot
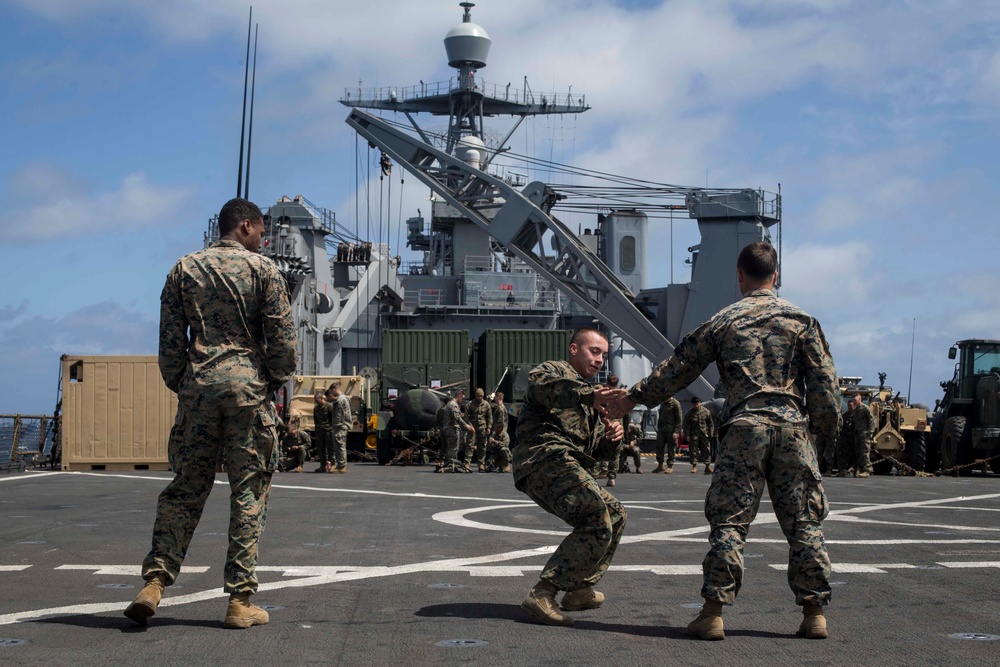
x: 694, y: 468
x: 669, y: 470
x: 341, y: 470
x: 708, y: 469
x: 583, y: 598
x: 506, y: 469
x: 147, y: 600
x: 813, y: 624
x: 611, y: 481
x: 658, y: 468
x: 242, y: 613
x: 708, y: 624
x: 541, y: 603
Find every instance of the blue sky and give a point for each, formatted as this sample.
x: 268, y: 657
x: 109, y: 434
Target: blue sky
x: 879, y: 119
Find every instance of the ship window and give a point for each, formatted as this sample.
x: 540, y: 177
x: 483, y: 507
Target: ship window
x: 628, y: 253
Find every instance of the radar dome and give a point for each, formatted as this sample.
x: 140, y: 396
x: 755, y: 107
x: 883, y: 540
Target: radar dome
x: 471, y: 150
x: 467, y: 44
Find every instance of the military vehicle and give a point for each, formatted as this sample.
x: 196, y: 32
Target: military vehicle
x: 422, y: 367
x: 966, y: 421
x: 301, y: 401
x: 901, y: 429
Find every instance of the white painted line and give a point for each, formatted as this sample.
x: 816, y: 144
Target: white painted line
x: 501, y: 571
x: 13, y: 568
x: 847, y: 568
x: 971, y: 565
x: 29, y: 475
x: 682, y: 570
x: 857, y: 519
x: 129, y: 570
x: 918, y: 503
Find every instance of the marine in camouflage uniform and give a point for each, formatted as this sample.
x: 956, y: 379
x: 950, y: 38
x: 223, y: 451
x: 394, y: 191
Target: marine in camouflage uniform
x: 560, y: 435
x: 323, y: 428
x: 699, y: 429
x: 863, y: 423
x: 453, y: 425
x: 295, y: 447
x: 227, y: 342
x: 780, y: 382
x: 499, y: 444
x: 500, y: 414
x: 633, y: 433
x: 668, y: 428
x: 479, y: 413
x: 341, y: 421
x: 845, y: 454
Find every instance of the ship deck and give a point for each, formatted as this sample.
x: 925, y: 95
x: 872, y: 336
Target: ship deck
x: 397, y: 565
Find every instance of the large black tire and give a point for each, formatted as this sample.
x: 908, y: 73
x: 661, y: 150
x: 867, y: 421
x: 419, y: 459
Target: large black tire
x: 916, y: 451
x: 956, y: 444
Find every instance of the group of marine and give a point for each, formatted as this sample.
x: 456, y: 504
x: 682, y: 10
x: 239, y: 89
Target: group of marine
x: 226, y: 352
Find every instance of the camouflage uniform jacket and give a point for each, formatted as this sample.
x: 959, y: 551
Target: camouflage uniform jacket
x: 863, y: 422
x: 299, y: 438
x: 773, y: 360
x: 226, y: 332
x: 671, y: 416
x: 480, y: 415
x: 633, y: 434
x: 323, y: 417
x: 699, y: 420
x: 499, y: 414
x: 340, y: 409
x: 558, y: 418
x: 452, y: 419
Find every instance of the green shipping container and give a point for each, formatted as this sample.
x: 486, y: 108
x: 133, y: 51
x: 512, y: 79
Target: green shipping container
x: 417, y: 346
x: 506, y: 356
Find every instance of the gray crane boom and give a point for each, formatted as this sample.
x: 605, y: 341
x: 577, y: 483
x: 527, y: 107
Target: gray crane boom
x: 522, y: 224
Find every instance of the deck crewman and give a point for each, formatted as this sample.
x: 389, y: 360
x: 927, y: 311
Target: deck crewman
x: 561, y: 431
x: 780, y: 383
x: 227, y: 343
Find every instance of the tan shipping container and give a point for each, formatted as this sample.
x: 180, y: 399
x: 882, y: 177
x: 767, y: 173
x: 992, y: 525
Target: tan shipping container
x: 116, y: 413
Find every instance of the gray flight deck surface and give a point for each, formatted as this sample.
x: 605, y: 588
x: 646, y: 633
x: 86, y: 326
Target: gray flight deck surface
x: 400, y: 566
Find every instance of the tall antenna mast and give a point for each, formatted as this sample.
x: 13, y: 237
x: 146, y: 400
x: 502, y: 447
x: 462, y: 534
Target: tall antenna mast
x: 253, y: 89
x: 243, y: 122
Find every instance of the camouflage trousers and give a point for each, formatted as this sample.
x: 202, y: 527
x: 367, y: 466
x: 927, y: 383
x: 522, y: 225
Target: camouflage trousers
x: 625, y: 452
x: 449, y: 449
x: 500, y: 457
x: 245, y: 440
x: 783, y: 459
x: 666, y: 444
x: 855, y: 452
x: 475, y: 445
x: 294, y: 459
x: 339, y: 453
x: 563, y: 487
x: 700, y: 448
x: 324, y: 445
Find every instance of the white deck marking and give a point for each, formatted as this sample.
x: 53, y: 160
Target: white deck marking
x: 13, y: 568
x: 129, y: 570
x: 31, y: 476
x: 857, y: 568
x: 489, y: 560
x: 857, y: 519
x: 968, y: 565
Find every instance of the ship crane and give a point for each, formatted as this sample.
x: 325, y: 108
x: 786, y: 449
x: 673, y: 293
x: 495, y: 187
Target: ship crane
x: 523, y: 225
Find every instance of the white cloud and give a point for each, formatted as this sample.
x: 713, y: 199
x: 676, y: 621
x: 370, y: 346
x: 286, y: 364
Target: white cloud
x: 31, y: 344
x: 835, y: 275
x: 50, y: 203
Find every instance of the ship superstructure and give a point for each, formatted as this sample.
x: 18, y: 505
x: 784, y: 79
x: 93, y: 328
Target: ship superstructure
x: 492, y: 254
